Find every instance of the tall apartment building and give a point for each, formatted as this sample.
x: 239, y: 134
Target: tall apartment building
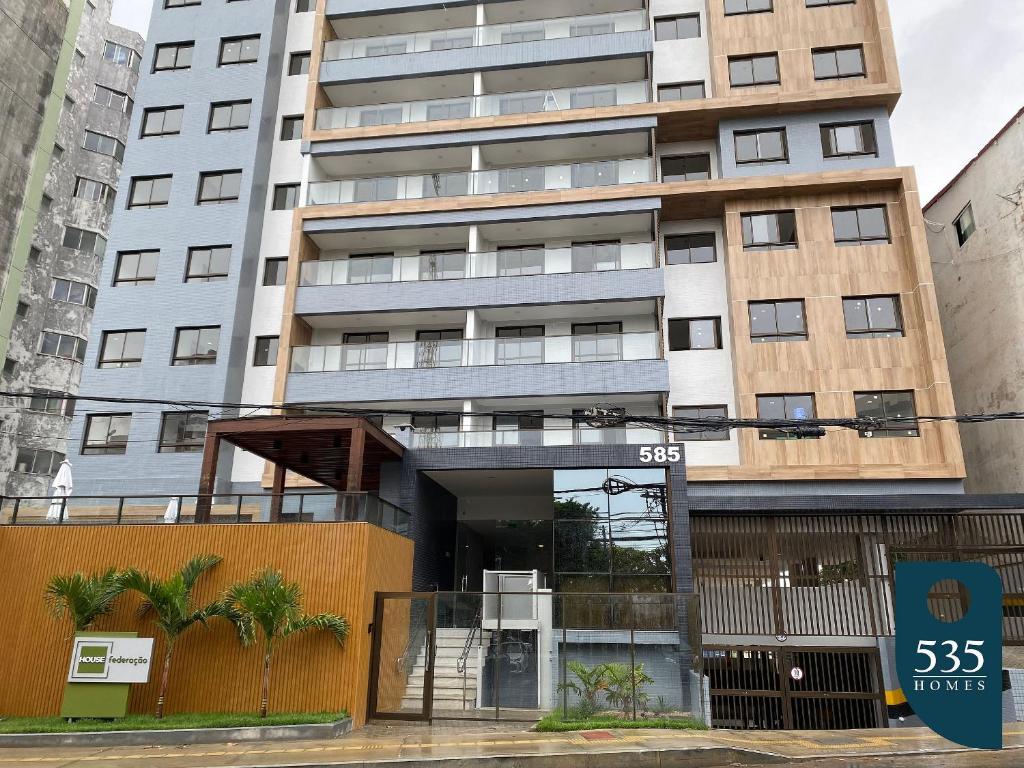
x: 477, y: 221
x: 51, y: 296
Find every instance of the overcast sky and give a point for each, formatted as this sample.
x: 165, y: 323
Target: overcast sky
x: 962, y: 63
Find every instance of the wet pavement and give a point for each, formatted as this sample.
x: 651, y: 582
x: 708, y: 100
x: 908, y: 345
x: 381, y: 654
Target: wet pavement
x: 512, y: 747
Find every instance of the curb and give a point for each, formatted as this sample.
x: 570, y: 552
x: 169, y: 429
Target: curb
x: 179, y: 737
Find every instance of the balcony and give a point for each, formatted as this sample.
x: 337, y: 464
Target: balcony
x: 458, y: 353
x: 457, y: 265
x: 538, y: 178
x: 488, y: 105
x: 581, y: 435
x: 480, y: 36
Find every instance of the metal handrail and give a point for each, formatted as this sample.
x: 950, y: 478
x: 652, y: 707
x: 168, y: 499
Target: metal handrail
x: 460, y: 665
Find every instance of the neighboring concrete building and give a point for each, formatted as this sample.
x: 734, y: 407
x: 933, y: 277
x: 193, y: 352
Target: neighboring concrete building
x: 976, y: 239
x: 473, y: 223
x: 32, y: 44
x: 54, y: 298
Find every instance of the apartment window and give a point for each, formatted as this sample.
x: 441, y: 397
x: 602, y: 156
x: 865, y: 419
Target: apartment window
x: 391, y: 115
x: 965, y: 225
x: 265, y: 353
x: 520, y: 260
x: 837, y: 63
x: 239, y: 50
x: 821, y: 3
x: 21, y: 309
x: 686, y: 168
x: 84, y: 240
x: 111, y: 99
x: 758, y: 69
x: 150, y: 192
x: 172, y: 56
x: 766, y: 145
x: 699, y: 432
x: 291, y: 128
x: 733, y: 7
x: 783, y: 407
x: 298, y: 63
x: 365, y: 351
x: 849, y: 139
x: 208, y: 264
x: 864, y: 225
x: 45, y: 203
x: 873, y: 317
x: 519, y: 344
x: 94, y: 191
x: 216, y: 187
x: 10, y: 366
x: 57, y: 153
x: 180, y: 3
x: 681, y: 91
x: 596, y: 256
x: 122, y: 349
x: 51, y: 401
x: 677, y: 27
x: 691, y: 248
x: 73, y: 292
x: 777, y: 321
x: 516, y: 422
x: 229, y: 116
x: 382, y: 188
x: 162, y: 121
x: 275, y: 271
x: 443, y: 264
x: 104, y: 145
x: 38, y: 461
x: 196, y: 346
x: 439, y: 424
x: 698, y: 333
x: 121, y: 55
x: 183, y: 432
x: 769, y: 231
x: 891, y: 408
x: 305, y: 6
x: 286, y: 197
x: 136, y: 268
x: 106, y: 434
x: 55, y: 344
x: 596, y: 342
x: 371, y: 268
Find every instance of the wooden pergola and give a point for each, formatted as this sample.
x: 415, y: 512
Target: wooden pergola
x: 343, y: 453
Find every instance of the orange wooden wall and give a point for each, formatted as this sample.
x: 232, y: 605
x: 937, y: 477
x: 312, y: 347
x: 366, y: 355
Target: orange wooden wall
x: 340, y: 567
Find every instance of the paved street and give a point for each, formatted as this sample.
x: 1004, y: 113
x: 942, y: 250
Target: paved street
x: 601, y: 749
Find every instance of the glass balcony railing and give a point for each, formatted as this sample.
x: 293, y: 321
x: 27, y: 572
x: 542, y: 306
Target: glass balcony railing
x: 455, y: 353
x: 537, y: 178
x: 537, y: 437
x: 457, y: 265
x: 488, y: 105
x: 490, y: 34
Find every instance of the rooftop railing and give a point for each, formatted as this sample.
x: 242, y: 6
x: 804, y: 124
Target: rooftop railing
x: 225, y: 508
x: 487, y: 105
x: 490, y: 34
x: 457, y: 265
x: 455, y: 353
x: 536, y: 178
x: 580, y: 435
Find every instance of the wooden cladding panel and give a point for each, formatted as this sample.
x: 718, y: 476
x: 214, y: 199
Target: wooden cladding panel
x: 828, y: 364
x: 339, y: 566
x: 792, y: 30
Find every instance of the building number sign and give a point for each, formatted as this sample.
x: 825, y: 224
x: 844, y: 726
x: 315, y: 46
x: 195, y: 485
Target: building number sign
x: 661, y: 454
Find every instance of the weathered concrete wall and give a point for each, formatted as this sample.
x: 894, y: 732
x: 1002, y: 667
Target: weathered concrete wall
x: 39, y: 312
x: 980, y: 288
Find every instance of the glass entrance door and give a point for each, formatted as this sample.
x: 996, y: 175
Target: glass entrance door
x: 402, y: 661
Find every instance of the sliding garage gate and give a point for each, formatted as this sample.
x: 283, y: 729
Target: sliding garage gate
x: 770, y: 688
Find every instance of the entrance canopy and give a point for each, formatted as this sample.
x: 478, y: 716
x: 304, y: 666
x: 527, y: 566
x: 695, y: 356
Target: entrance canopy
x: 343, y: 453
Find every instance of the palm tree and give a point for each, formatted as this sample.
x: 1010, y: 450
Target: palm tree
x: 170, y: 601
x: 84, y: 599
x: 274, y: 605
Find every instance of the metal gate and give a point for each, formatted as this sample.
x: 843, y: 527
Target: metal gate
x: 772, y: 688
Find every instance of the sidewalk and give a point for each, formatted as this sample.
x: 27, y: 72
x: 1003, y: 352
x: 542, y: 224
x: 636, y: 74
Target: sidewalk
x: 480, y: 747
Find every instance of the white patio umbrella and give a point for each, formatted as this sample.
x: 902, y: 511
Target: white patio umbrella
x: 173, y: 510
x: 62, y: 486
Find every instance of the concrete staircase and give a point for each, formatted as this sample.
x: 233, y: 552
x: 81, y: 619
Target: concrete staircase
x: 453, y: 691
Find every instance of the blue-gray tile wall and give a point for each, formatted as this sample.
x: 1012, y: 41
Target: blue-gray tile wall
x: 620, y: 285
x: 550, y: 379
x: 170, y: 302
x: 487, y: 57
x: 804, y: 138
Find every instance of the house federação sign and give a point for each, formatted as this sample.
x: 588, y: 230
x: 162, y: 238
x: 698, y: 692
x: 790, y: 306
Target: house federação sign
x: 111, y: 660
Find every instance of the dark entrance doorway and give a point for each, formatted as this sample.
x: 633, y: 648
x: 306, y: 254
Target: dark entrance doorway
x: 402, y: 656
x: 769, y: 688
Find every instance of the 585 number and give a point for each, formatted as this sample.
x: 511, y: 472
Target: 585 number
x: 660, y: 455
